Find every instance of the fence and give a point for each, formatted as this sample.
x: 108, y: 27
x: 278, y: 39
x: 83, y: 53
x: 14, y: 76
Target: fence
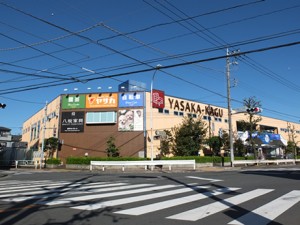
x: 146, y: 164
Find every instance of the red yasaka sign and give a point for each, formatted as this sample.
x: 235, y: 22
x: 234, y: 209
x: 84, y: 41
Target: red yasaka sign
x: 158, y: 99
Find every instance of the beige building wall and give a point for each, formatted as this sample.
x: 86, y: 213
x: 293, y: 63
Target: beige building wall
x: 167, y: 119
x: 33, y: 129
x: 172, y: 114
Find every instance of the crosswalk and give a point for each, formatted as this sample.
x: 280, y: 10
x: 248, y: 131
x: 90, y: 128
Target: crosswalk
x: 145, y: 198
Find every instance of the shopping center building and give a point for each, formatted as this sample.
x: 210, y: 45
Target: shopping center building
x: 84, y: 122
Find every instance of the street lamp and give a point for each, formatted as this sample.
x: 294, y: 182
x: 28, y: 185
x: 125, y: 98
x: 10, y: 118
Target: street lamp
x: 158, y: 66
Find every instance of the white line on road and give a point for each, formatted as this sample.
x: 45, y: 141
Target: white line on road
x: 203, y: 178
x: 137, y: 198
x: 174, y: 202
x: 210, y: 209
x: 110, y: 194
x: 268, y: 212
x: 70, y: 191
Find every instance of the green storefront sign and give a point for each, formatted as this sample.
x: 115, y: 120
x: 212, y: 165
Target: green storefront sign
x: 73, y: 101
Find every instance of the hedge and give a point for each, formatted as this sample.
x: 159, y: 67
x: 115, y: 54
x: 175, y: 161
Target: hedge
x: 87, y: 160
x: 53, y: 161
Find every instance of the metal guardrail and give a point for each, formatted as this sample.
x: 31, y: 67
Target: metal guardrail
x: 29, y: 163
x: 266, y: 162
x: 142, y: 163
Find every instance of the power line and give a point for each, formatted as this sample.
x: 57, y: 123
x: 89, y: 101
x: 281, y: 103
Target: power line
x: 184, y: 63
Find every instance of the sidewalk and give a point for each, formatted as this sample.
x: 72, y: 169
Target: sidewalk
x: 7, y: 172
x: 10, y: 171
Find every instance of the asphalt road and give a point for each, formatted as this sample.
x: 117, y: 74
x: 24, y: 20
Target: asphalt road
x: 252, y: 196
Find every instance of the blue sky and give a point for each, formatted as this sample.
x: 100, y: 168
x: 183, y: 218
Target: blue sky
x: 49, y: 46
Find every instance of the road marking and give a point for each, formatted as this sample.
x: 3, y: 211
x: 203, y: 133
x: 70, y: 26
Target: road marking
x: 66, y: 191
x: 31, y: 187
x: 174, y: 202
x: 60, y: 190
x: 203, y: 178
x: 210, y: 209
x: 8, y: 184
x: 110, y: 194
x: 268, y: 212
x: 138, y: 198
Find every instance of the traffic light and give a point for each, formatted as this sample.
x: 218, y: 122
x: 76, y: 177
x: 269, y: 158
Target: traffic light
x: 2, y: 105
x: 254, y: 110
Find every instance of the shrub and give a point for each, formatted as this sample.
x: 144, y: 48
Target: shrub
x: 87, y: 160
x: 53, y: 161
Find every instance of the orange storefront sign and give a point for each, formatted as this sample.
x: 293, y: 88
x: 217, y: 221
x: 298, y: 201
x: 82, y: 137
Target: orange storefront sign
x: 103, y: 100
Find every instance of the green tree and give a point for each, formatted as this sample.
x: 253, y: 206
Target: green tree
x: 188, y: 137
x: 292, y: 144
x: 239, y: 148
x: 252, y: 119
x: 215, y: 143
x: 111, y: 149
x: 225, y: 141
x: 166, y: 144
x: 51, y: 145
x: 290, y: 148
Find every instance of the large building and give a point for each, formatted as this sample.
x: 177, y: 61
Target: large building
x: 84, y: 122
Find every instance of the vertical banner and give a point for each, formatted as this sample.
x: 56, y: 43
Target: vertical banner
x: 158, y: 99
x: 131, y: 120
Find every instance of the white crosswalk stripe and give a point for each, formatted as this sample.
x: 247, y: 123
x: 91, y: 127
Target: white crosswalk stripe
x: 266, y: 213
x: 145, y: 198
x: 137, y: 198
x: 71, y: 190
x: 110, y: 194
x: 208, y: 210
x: 174, y: 202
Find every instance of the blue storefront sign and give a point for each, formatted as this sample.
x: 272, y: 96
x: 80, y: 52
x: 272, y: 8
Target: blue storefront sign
x: 266, y: 138
x: 131, y: 99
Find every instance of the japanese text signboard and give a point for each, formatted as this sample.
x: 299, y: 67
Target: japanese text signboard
x: 72, y: 122
x: 102, y: 100
x: 73, y: 101
x: 131, y: 99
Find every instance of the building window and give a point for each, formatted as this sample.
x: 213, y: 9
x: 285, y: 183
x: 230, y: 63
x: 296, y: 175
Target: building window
x: 165, y: 111
x: 101, y: 117
x: 218, y: 119
x: 190, y: 115
x: 176, y: 113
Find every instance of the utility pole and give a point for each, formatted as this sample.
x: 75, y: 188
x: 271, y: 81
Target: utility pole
x: 44, y: 126
x: 229, y: 108
x: 151, y: 107
x: 43, y: 136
